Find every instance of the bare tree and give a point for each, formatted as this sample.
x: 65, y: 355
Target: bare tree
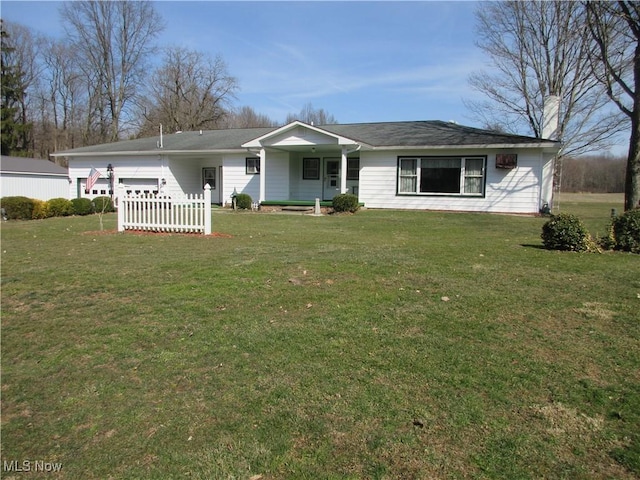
x: 538, y: 49
x: 62, y: 97
x: 114, y: 40
x: 313, y: 116
x: 190, y: 91
x: 615, y: 31
x: 247, y: 117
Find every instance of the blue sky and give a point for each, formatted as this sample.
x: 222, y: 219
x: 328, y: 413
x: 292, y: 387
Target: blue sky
x: 360, y: 61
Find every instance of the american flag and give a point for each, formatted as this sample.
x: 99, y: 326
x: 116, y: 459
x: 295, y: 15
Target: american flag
x: 92, y: 179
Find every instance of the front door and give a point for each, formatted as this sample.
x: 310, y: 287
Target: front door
x: 331, y: 183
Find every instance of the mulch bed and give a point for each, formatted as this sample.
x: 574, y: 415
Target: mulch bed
x: 159, y: 234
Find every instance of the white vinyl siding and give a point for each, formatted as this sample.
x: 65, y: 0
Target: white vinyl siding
x: 37, y: 186
x: 235, y: 178
x: 277, y: 179
x: 507, y: 191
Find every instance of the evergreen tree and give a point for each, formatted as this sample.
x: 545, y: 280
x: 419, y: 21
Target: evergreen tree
x: 15, y: 132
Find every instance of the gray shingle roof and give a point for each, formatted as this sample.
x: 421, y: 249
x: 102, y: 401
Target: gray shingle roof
x: 424, y: 133
x: 384, y: 134
x: 30, y: 166
x: 186, y: 141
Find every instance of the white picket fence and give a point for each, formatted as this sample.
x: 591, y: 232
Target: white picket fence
x: 162, y: 213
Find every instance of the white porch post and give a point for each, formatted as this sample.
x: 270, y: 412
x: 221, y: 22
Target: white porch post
x: 263, y: 174
x: 343, y: 171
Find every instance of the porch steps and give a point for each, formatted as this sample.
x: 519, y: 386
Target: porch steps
x: 295, y: 203
x: 296, y: 208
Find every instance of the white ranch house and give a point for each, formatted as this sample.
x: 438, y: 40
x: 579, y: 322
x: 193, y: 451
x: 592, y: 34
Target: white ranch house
x: 402, y: 165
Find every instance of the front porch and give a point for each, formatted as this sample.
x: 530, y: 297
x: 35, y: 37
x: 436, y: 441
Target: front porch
x: 299, y: 163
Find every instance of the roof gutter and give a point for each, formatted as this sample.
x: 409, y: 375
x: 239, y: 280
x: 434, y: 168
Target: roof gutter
x: 40, y: 174
x: 545, y: 145
x: 146, y: 153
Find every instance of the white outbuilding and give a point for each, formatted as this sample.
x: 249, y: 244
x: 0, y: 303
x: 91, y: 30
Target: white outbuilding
x: 32, y: 178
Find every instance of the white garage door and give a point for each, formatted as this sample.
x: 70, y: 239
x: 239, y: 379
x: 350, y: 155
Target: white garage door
x: 140, y: 186
x: 100, y: 188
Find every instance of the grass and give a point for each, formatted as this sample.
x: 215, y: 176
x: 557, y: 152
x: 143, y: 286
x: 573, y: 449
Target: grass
x: 594, y: 209
x: 382, y: 345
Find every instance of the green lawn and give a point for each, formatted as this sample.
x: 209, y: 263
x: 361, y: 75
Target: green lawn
x: 386, y: 344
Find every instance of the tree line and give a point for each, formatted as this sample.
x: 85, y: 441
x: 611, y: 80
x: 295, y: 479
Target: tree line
x: 592, y: 173
x: 108, y: 79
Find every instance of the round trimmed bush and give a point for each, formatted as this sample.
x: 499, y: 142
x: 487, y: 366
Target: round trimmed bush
x: 626, y: 231
x: 103, y: 204
x: 82, y: 206
x: 345, y: 202
x: 17, y: 208
x: 565, y: 232
x: 243, y: 201
x: 60, y: 207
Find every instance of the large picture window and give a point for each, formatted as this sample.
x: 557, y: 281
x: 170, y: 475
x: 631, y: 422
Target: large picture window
x: 441, y: 175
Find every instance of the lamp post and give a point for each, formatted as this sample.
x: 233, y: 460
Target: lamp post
x: 110, y: 178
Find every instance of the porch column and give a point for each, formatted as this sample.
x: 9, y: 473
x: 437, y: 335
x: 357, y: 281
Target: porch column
x: 263, y: 176
x: 343, y: 171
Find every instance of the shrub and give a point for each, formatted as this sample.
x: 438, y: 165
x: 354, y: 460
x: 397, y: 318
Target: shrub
x: 608, y: 240
x: 345, y: 202
x: 103, y: 204
x: 40, y: 209
x: 60, y: 207
x: 17, y: 208
x: 565, y: 232
x: 82, y: 206
x: 243, y: 201
x: 626, y: 231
